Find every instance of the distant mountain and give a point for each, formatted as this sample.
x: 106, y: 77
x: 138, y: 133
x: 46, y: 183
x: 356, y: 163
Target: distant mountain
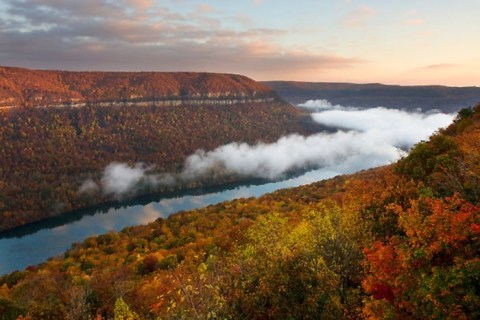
x: 59, y: 129
x: 447, y: 99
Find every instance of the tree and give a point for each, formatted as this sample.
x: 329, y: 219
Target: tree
x: 303, y: 267
x: 433, y: 271
x: 123, y: 312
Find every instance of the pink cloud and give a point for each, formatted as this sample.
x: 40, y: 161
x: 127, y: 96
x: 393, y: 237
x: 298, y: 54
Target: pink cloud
x: 141, y: 4
x: 412, y: 18
x: 359, y: 16
x: 439, y: 66
x: 205, y: 8
x: 97, y: 35
x: 414, y: 22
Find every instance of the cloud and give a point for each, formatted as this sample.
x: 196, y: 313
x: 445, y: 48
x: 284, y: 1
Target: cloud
x: 368, y: 138
x: 412, y: 18
x: 322, y: 104
x: 289, y: 153
x: 394, y: 127
x: 205, y: 8
x: 120, y: 180
x: 141, y: 4
x: 88, y: 187
x: 439, y: 66
x: 414, y: 22
x: 142, y: 35
x: 359, y: 16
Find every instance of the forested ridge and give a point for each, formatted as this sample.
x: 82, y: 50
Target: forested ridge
x: 32, y: 88
x: 47, y: 153
x: 59, y: 129
x: 396, y: 242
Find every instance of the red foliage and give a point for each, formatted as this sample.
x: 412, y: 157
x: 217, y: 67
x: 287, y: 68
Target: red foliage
x: 382, y: 291
x: 429, y: 270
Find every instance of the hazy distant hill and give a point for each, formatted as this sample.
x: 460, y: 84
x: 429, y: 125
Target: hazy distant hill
x: 448, y: 99
x: 59, y: 129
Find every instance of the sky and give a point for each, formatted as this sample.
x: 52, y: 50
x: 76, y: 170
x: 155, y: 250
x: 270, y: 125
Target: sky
x: 404, y: 42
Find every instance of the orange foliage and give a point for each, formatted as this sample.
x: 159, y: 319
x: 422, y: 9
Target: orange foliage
x: 427, y: 272
x: 67, y: 146
x: 414, y: 252
x: 25, y: 87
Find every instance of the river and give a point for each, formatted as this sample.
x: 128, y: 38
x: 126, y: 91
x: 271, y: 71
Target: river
x: 377, y: 135
x: 35, y: 243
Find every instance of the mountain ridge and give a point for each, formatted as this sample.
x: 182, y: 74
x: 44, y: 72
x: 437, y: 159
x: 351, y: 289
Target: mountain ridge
x: 32, y: 88
x: 426, y: 97
x: 156, y: 119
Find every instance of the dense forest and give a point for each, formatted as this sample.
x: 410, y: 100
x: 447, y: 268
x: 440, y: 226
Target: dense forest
x: 396, y: 242
x: 60, y: 129
x: 48, y: 153
x: 446, y: 99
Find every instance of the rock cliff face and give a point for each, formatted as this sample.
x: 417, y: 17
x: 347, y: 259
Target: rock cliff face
x: 34, y: 88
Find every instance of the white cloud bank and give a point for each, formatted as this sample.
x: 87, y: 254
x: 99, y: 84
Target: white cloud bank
x: 395, y: 127
x: 120, y: 179
x: 367, y: 138
x: 322, y: 104
x: 291, y: 153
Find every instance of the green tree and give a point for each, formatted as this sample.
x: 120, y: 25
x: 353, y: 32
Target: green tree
x: 123, y: 312
x: 303, y: 267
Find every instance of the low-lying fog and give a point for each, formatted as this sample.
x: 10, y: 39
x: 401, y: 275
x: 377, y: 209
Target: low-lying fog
x: 365, y: 138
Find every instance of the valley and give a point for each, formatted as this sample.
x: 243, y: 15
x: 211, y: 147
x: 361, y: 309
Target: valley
x: 71, y: 145
x: 250, y: 160
x: 339, y: 248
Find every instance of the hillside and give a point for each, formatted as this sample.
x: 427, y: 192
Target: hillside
x: 25, y: 87
x: 446, y: 99
x: 397, y: 242
x: 149, y: 120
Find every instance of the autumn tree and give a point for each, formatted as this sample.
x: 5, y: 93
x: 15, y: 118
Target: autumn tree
x: 123, y: 312
x: 433, y: 270
x: 301, y: 269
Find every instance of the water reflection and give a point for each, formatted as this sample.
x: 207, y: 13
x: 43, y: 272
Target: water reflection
x: 35, y: 243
